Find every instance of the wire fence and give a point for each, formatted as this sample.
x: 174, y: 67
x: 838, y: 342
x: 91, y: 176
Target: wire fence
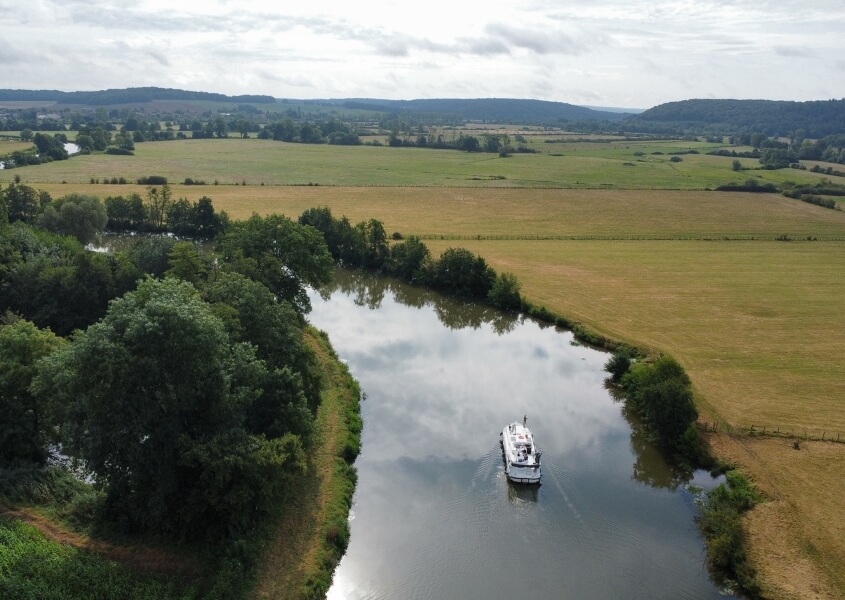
x: 755, y: 430
x: 624, y: 237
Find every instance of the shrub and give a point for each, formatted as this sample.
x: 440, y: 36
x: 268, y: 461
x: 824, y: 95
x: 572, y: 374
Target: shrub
x: 618, y: 364
x: 660, y: 393
x: 152, y: 180
x: 720, y: 523
x: 119, y: 151
x: 505, y: 292
x: 461, y: 273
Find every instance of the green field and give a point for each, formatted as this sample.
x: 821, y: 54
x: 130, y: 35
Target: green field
x: 639, y: 252
x: 257, y: 162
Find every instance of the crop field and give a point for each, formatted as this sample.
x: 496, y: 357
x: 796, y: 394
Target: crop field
x: 8, y: 146
x: 639, y: 252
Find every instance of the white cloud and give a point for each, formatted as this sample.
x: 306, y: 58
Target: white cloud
x: 634, y: 53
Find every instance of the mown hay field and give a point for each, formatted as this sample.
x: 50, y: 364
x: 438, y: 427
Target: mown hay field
x: 757, y: 323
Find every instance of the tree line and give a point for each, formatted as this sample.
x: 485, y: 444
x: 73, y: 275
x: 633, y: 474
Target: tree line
x: 458, y: 272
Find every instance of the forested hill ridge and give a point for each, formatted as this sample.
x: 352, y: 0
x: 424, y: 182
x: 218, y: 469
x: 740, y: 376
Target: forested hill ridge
x: 812, y: 119
x: 491, y: 110
x: 816, y: 118
x: 495, y: 110
x: 125, y: 96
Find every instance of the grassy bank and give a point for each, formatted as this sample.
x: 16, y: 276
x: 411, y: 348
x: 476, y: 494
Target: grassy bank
x: 34, y: 567
x: 313, y: 535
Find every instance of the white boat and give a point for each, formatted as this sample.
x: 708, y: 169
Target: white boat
x: 522, y: 461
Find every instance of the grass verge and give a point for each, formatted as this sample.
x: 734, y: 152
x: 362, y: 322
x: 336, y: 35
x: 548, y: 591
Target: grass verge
x: 312, y: 536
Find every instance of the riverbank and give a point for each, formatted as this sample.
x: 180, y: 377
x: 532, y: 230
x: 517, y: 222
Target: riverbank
x: 312, y: 537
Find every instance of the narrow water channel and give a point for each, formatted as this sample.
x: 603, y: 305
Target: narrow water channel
x: 434, y: 516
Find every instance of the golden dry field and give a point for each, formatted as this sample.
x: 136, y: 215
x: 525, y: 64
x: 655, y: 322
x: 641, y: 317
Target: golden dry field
x: 655, y: 261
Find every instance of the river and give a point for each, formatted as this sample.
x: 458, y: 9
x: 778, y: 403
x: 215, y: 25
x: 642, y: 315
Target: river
x: 433, y: 515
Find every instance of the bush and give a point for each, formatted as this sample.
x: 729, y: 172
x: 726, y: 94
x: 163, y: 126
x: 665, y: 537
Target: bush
x: 461, y: 273
x: 720, y: 523
x: 660, y: 393
x: 618, y: 364
x: 505, y: 292
x: 119, y: 151
x: 152, y: 180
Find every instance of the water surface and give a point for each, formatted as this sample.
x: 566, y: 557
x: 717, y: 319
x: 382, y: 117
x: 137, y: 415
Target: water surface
x: 434, y: 516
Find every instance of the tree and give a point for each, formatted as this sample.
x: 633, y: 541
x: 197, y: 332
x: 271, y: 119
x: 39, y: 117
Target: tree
x: 79, y: 215
x: 376, y: 248
x: 207, y: 224
x: 158, y: 202
x: 504, y: 293
x: 409, y: 260
x: 468, y: 143
x: 187, y: 263
x: 85, y: 143
x: 660, y: 393
x: 150, y: 254
x: 252, y: 314
x: 126, y: 213
x: 26, y: 135
x: 23, y: 427
x: 50, y: 146
x: 52, y: 280
x: 22, y: 202
x: 460, y: 273
x: 154, y: 398
x: 179, y: 217
x: 618, y: 364
x: 283, y: 255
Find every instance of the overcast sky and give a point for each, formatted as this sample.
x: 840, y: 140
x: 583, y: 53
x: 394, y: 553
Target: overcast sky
x: 633, y: 53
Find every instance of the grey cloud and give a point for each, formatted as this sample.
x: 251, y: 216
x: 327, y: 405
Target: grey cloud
x: 159, y: 57
x: 487, y: 46
x: 792, y: 51
x: 9, y: 54
x: 392, y: 47
x: 540, y: 42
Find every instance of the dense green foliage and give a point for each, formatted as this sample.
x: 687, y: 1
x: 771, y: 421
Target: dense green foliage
x: 618, y: 364
x: 720, y: 522
x: 77, y: 215
x: 283, y: 255
x: 660, y: 392
x: 461, y: 273
x: 23, y: 421
x: 495, y: 110
x: 156, y: 399
x: 124, y: 96
x: 54, y: 282
x: 33, y: 568
x: 774, y: 117
x: 458, y: 272
x: 250, y: 313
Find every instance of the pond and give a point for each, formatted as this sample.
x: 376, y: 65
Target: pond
x: 433, y: 515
